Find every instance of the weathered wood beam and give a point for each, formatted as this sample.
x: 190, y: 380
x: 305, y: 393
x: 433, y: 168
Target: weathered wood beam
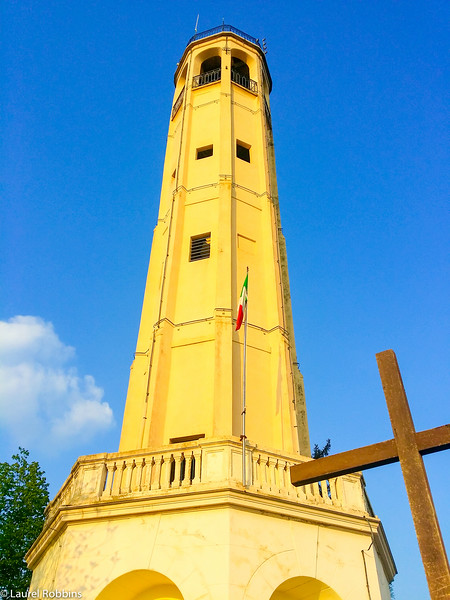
x: 367, y: 457
x: 424, y: 515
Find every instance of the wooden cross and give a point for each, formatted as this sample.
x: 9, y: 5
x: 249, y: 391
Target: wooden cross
x: 408, y: 447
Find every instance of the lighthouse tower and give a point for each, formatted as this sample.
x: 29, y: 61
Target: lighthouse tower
x: 193, y: 506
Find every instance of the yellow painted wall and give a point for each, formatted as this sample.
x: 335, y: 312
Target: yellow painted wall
x: 210, y: 553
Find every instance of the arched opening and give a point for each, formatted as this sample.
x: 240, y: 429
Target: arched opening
x: 181, y: 79
x: 240, y: 67
x: 210, y: 64
x: 240, y: 74
x: 210, y: 70
x: 179, y: 92
x: 304, y: 588
x: 141, y: 585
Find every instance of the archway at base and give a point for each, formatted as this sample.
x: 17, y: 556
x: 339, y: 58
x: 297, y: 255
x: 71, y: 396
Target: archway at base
x: 304, y: 588
x: 141, y: 585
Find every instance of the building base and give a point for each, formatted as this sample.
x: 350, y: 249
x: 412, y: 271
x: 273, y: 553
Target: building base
x: 127, y: 527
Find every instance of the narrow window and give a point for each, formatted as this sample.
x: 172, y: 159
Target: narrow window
x: 243, y: 151
x: 204, y: 152
x: 200, y: 247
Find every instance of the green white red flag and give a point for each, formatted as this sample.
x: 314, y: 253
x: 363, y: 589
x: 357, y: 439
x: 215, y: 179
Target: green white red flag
x: 242, y: 304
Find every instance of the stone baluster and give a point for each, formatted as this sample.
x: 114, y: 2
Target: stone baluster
x: 102, y: 482
x: 118, y: 469
x: 156, y: 473
x: 128, y: 468
x: 272, y: 474
x: 278, y: 476
x: 142, y: 473
x: 187, y: 470
x: 197, y: 457
x: 146, y: 477
x: 313, y: 492
x: 137, y: 474
x: 339, y: 490
x: 283, y: 472
x: 109, y: 467
x: 109, y: 478
x: 291, y: 489
x: 259, y: 471
x: 310, y: 492
x: 254, y: 473
x: 325, y: 491
x: 177, y: 458
x: 264, y: 471
x: 300, y: 492
x: 166, y: 467
x: 334, y: 491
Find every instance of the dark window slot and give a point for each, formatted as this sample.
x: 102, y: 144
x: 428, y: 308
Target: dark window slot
x: 243, y: 152
x: 204, y: 152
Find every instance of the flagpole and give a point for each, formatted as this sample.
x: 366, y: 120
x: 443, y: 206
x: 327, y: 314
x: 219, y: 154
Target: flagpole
x: 244, y: 389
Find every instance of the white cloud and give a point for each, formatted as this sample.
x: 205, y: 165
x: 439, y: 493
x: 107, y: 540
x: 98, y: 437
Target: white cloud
x: 44, y: 402
x: 33, y: 338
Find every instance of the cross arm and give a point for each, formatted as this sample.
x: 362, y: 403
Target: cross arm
x: 367, y: 457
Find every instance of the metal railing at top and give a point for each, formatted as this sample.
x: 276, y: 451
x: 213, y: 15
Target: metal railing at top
x: 221, y: 28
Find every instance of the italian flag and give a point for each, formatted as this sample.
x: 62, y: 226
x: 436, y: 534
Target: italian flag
x: 242, y: 304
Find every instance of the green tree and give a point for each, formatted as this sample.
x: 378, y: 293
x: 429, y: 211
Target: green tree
x: 321, y: 452
x: 23, y: 498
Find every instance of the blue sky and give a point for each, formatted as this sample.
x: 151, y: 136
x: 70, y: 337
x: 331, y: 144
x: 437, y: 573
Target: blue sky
x: 360, y: 116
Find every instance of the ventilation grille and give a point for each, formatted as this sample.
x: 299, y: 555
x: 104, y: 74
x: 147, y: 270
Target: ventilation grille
x: 200, y: 247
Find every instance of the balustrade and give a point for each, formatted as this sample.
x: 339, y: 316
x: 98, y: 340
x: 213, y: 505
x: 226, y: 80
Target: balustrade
x: 181, y: 468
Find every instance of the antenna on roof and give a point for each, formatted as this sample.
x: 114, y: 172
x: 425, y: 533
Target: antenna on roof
x: 264, y: 45
x: 196, y: 24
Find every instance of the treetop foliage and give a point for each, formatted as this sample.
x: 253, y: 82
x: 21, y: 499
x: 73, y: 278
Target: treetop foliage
x: 23, y: 498
x: 321, y: 452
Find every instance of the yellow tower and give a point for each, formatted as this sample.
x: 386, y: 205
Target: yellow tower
x: 218, y: 215
x: 172, y: 515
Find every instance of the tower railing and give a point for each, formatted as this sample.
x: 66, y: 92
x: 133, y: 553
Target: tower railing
x: 178, y: 103
x: 215, y: 75
x: 224, y: 28
x: 208, y: 77
x: 244, y: 81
